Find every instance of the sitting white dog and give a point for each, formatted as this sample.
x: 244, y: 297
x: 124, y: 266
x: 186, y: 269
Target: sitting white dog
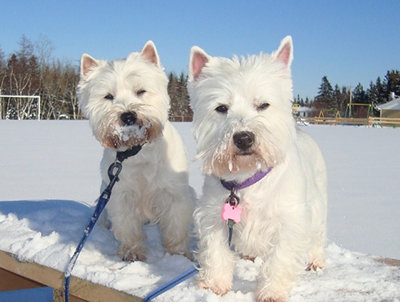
x: 266, y: 180
x: 127, y: 104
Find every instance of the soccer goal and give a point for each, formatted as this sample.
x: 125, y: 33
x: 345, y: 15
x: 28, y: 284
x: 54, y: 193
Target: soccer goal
x: 19, y: 106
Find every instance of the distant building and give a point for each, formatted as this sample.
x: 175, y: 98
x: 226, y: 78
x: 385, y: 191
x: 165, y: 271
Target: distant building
x: 390, y: 109
x: 302, y: 111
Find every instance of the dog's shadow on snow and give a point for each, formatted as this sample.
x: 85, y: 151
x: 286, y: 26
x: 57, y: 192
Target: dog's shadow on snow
x: 47, y: 216
x: 67, y: 218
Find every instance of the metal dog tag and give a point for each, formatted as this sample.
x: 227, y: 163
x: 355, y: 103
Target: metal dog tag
x: 233, y: 199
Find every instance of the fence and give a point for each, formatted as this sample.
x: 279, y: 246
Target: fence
x: 370, y: 121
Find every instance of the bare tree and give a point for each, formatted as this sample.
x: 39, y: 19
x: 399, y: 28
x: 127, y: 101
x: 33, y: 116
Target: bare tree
x: 31, y: 71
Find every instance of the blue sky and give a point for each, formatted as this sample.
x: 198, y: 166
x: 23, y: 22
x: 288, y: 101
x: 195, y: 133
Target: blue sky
x: 349, y: 41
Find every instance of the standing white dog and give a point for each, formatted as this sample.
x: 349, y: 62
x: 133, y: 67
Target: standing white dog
x: 127, y: 104
x: 262, y: 173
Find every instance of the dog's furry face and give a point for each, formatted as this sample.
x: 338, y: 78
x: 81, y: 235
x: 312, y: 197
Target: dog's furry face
x: 126, y: 101
x: 242, y: 110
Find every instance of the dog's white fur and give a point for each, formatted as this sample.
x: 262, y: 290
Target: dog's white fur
x: 284, y: 214
x: 153, y: 185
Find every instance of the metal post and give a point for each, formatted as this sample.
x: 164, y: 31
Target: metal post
x: 39, y: 108
x: 351, y: 97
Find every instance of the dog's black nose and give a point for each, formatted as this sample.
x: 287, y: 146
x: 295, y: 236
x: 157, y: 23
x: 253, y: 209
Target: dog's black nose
x: 243, y: 140
x: 129, y: 118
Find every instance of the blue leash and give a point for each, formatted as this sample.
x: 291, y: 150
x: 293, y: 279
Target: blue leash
x: 170, y: 284
x: 113, y: 171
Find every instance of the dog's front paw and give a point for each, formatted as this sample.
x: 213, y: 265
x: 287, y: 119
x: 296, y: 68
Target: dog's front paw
x: 129, y: 254
x: 317, y: 260
x: 315, y: 265
x: 217, y: 287
x: 249, y: 258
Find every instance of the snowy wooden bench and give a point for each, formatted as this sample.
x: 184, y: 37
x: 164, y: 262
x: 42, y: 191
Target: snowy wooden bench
x: 37, y: 238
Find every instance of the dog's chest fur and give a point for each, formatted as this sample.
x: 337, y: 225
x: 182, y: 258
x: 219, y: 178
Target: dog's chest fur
x: 139, y: 180
x: 259, y: 220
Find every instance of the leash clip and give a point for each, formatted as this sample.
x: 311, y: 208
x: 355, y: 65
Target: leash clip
x: 114, y: 170
x: 233, y: 199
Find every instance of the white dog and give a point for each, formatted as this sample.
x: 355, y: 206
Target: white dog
x: 248, y: 140
x: 127, y: 104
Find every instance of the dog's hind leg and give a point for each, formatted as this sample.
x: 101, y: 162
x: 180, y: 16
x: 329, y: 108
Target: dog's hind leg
x: 319, y: 200
x: 316, y: 258
x: 175, y: 223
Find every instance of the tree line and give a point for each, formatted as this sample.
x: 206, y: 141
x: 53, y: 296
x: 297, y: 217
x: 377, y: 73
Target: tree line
x: 333, y: 100
x: 31, y: 70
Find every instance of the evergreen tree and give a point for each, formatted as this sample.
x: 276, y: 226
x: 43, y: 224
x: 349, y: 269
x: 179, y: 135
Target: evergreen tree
x: 342, y: 98
x: 372, y: 93
x: 359, y: 95
x: 392, y: 80
x: 179, y: 96
x: 382, y: 91
x: 325, y: 99
x: 172, y: 87
x: 325, y: 91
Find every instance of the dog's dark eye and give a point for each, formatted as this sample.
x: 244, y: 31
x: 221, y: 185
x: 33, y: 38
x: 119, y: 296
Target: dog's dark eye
x: 140, y: 92
x: 222, y: 109
x: 262, y: 107
x: 109, y: 97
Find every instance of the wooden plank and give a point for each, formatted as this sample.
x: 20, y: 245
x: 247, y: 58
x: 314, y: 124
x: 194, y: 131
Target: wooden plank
x: 80, y: 290
x: 385, y: 121
x: 11, y: 281
x: 389, y: 261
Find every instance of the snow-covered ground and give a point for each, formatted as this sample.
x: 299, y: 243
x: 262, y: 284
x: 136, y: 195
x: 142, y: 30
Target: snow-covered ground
x: 49, y: 179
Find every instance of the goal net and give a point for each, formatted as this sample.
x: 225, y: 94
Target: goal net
x: 19, y: 107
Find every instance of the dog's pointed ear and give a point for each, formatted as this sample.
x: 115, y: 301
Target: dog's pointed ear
x: 198, y: 59
x: 149, y: 51
x: 284, y: 54
x: 88, y: 63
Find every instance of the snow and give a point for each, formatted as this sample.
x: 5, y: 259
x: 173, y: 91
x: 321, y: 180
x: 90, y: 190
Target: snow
x: 133, y: 131
x: 49, y: 173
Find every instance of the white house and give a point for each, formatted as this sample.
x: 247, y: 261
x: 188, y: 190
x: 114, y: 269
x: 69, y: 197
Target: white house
x: 390, y: 109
